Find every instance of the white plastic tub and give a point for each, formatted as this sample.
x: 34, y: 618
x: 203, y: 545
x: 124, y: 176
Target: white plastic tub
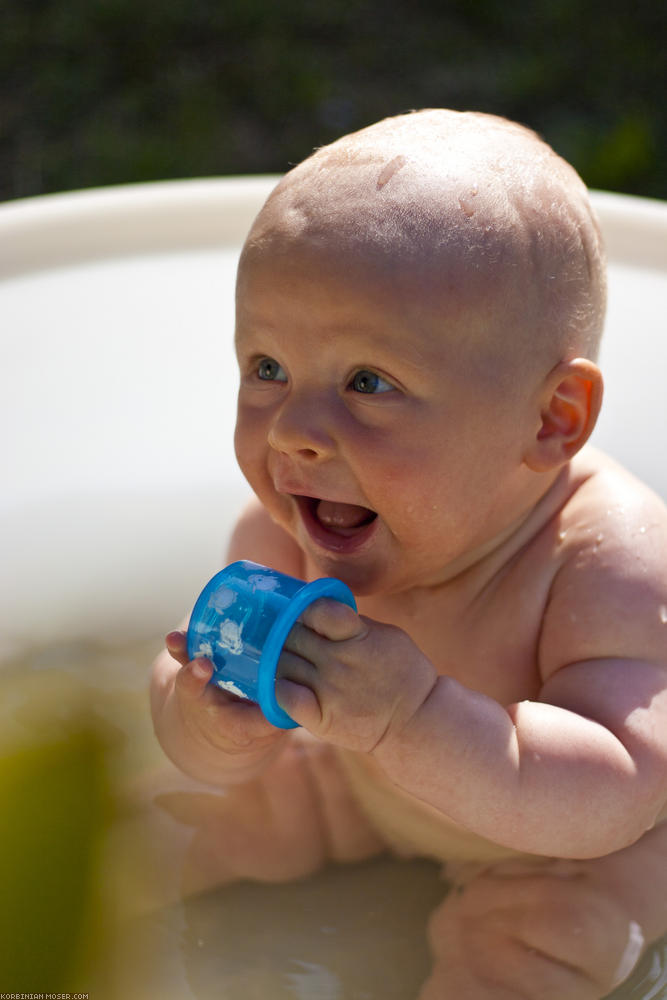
x: 116, y: 416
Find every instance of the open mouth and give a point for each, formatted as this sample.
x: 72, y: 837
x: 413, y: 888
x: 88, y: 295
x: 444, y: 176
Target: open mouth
x: 338, y: 526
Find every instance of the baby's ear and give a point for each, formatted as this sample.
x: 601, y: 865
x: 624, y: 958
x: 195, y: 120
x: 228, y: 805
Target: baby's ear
x: 569, y: 406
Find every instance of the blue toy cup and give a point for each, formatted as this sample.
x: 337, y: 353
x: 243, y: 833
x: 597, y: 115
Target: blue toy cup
x: 240, y: 622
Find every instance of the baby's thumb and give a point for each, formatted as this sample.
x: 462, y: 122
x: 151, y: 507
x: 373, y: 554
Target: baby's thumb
x: 334, y: 620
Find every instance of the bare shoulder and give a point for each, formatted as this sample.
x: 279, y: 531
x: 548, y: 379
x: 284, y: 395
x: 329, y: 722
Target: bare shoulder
x: 608, y: 598
x: 257, y: 537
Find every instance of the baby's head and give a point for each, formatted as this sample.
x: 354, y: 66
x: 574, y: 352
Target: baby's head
x: 419, y: 308
x: 466, y: 201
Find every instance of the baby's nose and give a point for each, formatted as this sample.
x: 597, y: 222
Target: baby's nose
x: 304, y: 426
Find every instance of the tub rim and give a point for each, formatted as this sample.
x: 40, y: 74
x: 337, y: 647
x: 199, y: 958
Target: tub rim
x: 56, y: 230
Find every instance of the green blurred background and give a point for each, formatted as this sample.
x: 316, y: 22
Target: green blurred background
x: 98, y: 92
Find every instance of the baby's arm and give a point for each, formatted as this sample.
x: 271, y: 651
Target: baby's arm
x: 208, y: 733
x: 579, y: 772
x: 543, y: 776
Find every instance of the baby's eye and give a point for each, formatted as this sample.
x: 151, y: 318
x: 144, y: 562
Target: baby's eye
x: 369, y: 383
x: 270, y: 371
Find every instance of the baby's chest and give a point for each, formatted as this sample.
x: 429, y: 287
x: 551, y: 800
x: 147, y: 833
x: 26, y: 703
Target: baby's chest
x: 490, y: 645
x: 495, y: 657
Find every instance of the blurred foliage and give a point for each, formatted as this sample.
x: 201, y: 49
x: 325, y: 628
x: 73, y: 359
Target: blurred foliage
x: 76, y: 742
x: 55, y: 804
x: 99, y: 92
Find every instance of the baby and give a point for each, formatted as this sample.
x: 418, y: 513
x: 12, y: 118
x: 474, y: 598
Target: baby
x: 419, y: 308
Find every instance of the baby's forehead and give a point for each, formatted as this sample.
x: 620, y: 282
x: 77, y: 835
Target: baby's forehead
x: 425, y: 185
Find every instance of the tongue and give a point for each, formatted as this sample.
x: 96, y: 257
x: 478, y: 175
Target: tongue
x: 342, y: 515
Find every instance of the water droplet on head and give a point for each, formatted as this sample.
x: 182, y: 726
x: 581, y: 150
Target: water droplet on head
x: 466, y: 200
x: 663, y: 614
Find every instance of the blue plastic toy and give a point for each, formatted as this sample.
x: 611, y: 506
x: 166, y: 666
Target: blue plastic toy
x: 240, y: 622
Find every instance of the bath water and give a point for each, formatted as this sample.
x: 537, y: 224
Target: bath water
x: 354, y: 932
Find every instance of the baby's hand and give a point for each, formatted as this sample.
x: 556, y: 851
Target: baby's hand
x: 208, y: 733
x: 350, y: 680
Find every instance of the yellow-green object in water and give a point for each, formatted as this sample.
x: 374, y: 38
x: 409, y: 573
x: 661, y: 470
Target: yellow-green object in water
x: 54, y: 796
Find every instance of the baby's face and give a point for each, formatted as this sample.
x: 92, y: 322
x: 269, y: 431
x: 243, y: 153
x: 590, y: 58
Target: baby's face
x: 380, y: 418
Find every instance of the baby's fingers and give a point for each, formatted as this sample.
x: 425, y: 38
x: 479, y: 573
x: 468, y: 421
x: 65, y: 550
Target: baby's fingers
x: 194, y: 675
x: 177, y: 646
x: 192, y: 679
x: 300, y: 703
x: 333, y: 620
x: 228, y: 721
